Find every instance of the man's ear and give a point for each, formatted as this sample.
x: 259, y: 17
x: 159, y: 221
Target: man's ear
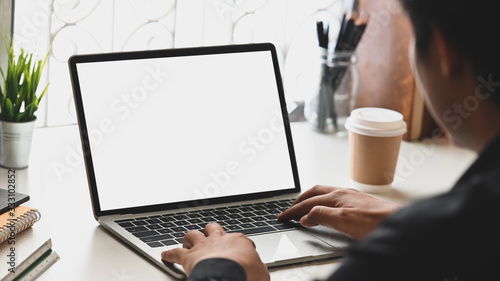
x: 447, y: 57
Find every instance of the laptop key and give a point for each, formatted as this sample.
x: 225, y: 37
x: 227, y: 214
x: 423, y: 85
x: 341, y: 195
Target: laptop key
x: 154, y: 226
x: 125, y: 224
x: 273, y: 222
x: 234, y: 216
x: 207, y: 214
x: 155, y: 244
x: 136, y: 229
x: 166, y: 219
x: 194, y: 215
x: 284, y: 205
x: 164, y: 230
x: 271, y: 206
x: 192, y: 227
x: 167, y: 224
x: 153, y: 221
x: 195, y: 221
x: 169, y: 242
x: 124, y: 220
x: 179, y: 234
x: 181, y: 217
x: 233, y: 227
x: 258, y: 207
x: 179, y: 229
x: 156, y: 238
x: 221, y: 218
x: 208, y: 219
x: 140, y: 223
x: 248, y: 214
x: 144, y: 233
x: 247, y: 225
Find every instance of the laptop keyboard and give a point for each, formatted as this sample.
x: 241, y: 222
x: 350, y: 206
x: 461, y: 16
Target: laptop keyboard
x: 249, y: 219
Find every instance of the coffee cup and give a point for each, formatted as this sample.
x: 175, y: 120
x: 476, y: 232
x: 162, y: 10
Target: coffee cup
x: 375, y: 136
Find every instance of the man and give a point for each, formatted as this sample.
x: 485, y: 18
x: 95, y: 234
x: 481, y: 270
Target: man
x: 453, y: 236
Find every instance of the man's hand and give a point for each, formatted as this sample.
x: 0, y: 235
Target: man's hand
x: 352, y: 212
x: 216, y: 243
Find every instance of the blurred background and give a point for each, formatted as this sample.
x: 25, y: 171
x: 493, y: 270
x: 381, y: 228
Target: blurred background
x: 97, y: 26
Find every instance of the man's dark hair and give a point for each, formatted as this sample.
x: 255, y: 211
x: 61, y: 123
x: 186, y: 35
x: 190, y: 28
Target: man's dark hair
x: 470, y: 26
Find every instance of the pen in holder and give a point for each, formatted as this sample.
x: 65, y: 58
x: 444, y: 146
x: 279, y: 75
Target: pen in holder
x: 328, y: 108
x: 337, y: 96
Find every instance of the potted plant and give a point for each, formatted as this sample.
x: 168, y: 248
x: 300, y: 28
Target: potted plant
x: 18, y: 104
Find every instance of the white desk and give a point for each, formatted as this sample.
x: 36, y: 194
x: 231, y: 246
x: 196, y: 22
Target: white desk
x: 57, y: 184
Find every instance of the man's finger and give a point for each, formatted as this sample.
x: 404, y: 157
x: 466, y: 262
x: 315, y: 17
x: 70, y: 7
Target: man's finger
x: 314, y: 191
x: 321, y: 215
x: 302, y: 208
x: 191, y: 238
x: 213, y: 229
x: 175, y: 255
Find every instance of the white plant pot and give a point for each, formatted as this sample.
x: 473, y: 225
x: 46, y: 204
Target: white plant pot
x: 15, y: 143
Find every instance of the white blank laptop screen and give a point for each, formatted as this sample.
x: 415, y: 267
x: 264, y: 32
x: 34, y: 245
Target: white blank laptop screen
x: 174, y: 129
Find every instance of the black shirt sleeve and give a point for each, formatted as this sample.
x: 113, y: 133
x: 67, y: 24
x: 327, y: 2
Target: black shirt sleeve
x: 454, y: 236
x: 217, y: 269
x: 449, y: 237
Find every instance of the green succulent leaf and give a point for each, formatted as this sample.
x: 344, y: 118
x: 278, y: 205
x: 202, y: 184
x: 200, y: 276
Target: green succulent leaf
x: 18, y: 99
x: 9, y: 109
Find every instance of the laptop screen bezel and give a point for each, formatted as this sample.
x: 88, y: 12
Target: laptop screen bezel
x: 195, y: 51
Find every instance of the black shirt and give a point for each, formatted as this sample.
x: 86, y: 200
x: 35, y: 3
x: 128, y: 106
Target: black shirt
x: 217, y: 269
x: 451, y: 237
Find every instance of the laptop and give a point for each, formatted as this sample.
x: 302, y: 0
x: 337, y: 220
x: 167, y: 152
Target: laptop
x: 174, y: 139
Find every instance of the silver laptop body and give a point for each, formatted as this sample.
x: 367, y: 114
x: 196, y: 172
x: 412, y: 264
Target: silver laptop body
x: 180, y: 130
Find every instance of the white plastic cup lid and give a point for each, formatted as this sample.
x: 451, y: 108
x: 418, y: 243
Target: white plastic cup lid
x: 376, y: 122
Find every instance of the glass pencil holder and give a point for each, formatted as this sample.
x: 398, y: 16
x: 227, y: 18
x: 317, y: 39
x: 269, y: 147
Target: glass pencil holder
x: 328, y: 108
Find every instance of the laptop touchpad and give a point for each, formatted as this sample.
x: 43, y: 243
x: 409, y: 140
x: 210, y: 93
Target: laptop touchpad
x: 289, y: 245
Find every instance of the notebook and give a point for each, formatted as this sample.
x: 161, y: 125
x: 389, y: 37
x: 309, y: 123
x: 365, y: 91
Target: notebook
x: 174, y: 139
x: 16, y: 220
x: 10, y: 199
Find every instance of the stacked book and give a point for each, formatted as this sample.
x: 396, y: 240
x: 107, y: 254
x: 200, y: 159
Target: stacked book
x: 13, y: 217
